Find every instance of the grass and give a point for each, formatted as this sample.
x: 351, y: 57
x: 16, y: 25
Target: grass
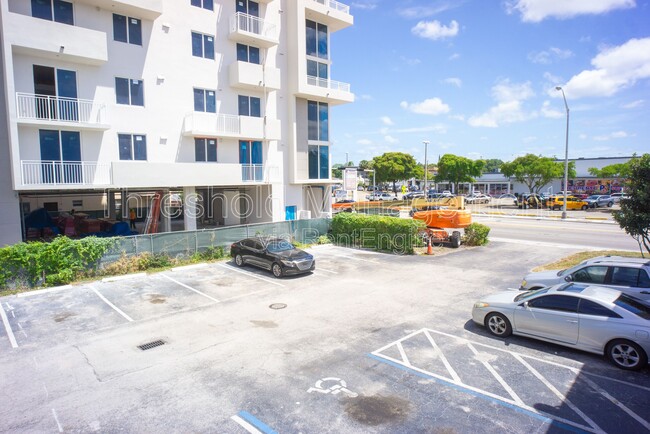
x: 575, y: 259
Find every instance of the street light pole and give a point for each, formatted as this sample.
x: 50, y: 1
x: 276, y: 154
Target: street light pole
x: 426, y: 169
x: 566, y: 154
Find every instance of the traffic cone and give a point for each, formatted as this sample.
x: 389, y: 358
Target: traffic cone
x: 429, y: 247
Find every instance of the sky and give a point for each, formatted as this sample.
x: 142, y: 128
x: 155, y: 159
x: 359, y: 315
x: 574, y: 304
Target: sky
x: 478, y: 78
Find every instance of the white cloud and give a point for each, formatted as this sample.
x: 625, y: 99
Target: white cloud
x: 434, y: 30
x: 616, y: 68
x: 367, y: 5
x: 366, y: 97
x: 411, y: 62
x: 454, y: 81
x: 457, y: 117
x: 549, y: 56
x: 390, y: 139
x: 431, y: 106
x: 535, y: 11
x: 364, y: 142
x: 549, y: 112
x: 529, y: 139
x: 454, y: 56
x: 633, y: 104
x: 427, y: 11
x: 610, y: 136
x: 509, y: 108
x: 387, y: 121
x: 554, y: 79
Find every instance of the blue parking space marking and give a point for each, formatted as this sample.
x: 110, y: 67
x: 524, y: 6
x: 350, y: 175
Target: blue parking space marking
x: 252, y: 424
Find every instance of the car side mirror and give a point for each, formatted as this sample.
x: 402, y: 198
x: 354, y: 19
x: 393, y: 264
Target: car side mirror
x: 524, y: 305
x: 568, y: 278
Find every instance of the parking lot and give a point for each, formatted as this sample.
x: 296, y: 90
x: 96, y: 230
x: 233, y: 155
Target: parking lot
x: 368, y: 343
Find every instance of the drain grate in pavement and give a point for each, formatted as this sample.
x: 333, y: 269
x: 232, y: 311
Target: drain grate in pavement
x: 277, y: 306
x: 150, y: 345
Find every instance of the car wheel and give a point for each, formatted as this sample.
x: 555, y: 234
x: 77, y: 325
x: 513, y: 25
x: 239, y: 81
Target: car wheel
x: 277, y: 270
x: 239, y: 261
x: 626, y: 355
x: 498, y: 325
x: 609, y: 204
x: 454, y: 240
x: 584, y: 207
x: 556, y: 208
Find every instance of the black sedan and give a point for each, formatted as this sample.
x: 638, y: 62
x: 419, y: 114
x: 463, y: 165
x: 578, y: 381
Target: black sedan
x: 274, y: 254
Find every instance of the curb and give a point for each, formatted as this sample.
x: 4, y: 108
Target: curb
x: 598, y: 220
x: 125, y: 277
x: 43, y: 291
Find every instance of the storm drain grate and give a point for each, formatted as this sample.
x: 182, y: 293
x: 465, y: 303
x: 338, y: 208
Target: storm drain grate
x: 150, y: 345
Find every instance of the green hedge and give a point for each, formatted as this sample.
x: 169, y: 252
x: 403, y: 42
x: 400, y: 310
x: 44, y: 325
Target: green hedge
x: 476, y: 234
x: 376, y: 232
x: 45, y: 264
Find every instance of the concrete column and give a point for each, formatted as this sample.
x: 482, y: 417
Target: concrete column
x: 165, y: 218
x: 189, y: 208
x: 110, y: 203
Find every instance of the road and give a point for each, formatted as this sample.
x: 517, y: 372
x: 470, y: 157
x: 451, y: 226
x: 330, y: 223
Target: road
x: 560, y: 233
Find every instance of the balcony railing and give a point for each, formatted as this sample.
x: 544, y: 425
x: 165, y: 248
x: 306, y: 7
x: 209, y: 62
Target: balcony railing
x: 61, y: 109
x: 241, y: 22
x: 333, y: 4
x: 328, y: 84
x: 252, y: 172
x: 38, y: 172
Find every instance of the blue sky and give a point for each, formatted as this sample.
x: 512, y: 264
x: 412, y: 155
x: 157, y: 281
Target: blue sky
x: 477, y: 78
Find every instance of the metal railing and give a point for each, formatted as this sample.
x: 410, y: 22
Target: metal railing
x: 247, y: 23
x: 333, y: 4
x: 252, y: 172
x: 37, y: 172
x: 328, y: 84
x: 56, y: 108
x: 228, y: 124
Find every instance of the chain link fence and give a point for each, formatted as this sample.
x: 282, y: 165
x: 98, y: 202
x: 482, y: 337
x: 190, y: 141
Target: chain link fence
x: 186, y: 243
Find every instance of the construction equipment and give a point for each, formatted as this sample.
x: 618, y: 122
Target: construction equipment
x: 438, y: 218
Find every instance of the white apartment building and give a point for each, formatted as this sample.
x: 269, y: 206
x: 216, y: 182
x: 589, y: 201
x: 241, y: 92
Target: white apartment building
x: 224, y: 104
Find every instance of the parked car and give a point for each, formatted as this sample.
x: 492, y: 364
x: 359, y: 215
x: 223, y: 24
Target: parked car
x: 413, y: 195
x: 629, y: 275
x: 447, y: 193
x: 616, y: 197
x: 589, y: 318
x: 274, y: 254
x: 598, y: 200
x: 380, y: 196
x: 533, y: 200
x: 477, y: 198
x: 572, y: 203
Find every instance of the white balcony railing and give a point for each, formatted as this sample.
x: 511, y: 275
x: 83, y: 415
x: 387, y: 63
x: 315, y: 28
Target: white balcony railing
x: 333, y: 4
x: 241, y: 22
x: 37, y: 172
x: 252, y: 172
x: 56, y: 108
x: 328, y: 84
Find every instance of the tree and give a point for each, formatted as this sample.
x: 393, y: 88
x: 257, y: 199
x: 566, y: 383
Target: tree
x: 492, y: 165
x: 394, y: 166
x: 337, y: 171
x: 621, y: 170
x: 365, y: 164
x: 456, y: 169
x: 536, y: 171
x: 634, y: 216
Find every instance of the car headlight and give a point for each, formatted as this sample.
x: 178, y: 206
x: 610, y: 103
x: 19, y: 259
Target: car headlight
x: 481, y: 305
x: 288, y: 263
x: 523, y: 283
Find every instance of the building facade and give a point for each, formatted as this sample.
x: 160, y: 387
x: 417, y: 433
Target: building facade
x: 223, y: 107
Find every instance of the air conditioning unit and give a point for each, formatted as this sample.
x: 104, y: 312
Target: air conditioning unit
x: 304, y: 214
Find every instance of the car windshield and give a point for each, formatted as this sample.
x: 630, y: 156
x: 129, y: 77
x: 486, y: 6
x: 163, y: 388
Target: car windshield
x: 567, y: 271
x: 526, y: 295
x: 634, y: 305
x: 279, y: 246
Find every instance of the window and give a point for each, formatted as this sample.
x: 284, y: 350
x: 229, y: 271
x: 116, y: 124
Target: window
x: 248, y: 54
x: 250, y: 152
x: 205, y: 101
x: 205, y: 4
x: 205, y: 149
x: 248, y: 7
x: 562, y: 303
x: 633, y: 305
x: 587, y: 307
x: 625, y: 276
x: 317, y: 69
x: 249, y: 106
x: 53, y: 10
x: 318, y: 162
x: 593, y: 274
x: 316, y: 39
x: 202, y: 45
x: 132, y: 147
x: 644, y: 280
x: 77, y: 202
x: 130, y: 92
x: 127, y: 29
x: 317, y: 121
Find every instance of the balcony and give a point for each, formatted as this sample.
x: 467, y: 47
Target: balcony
x: 56, y: 41
x: 330, y: 12
x: 248, y: 29
x: 36, y: 173
x: 145, y: 9
x: 251, y: 76
x: 330, y: 91
x: 44, y: 110
x: 199, y: 124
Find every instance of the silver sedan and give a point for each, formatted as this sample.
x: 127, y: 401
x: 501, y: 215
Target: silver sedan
x: 589, y: 318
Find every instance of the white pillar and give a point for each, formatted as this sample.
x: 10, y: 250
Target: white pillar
x: 165, y: 218
x: 189, y: 208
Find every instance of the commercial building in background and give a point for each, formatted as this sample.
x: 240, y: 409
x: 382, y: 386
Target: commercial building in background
x: 222, y: 108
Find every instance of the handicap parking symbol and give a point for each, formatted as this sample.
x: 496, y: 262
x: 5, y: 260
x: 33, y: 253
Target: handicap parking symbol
x: 337, y: 387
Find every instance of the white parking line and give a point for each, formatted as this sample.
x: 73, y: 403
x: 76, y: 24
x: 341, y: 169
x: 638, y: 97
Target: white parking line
x: 44, y: 291
x: 190, y: 267
x: 326, y: 270
x: 247, y: 426
x: 497, y: 376
x: 123, y: 277
x: 105, y: 300
x: 190, y: 288
x: 231, y: 268
x: 56, y: 419
x: 10, y: 333
x: 453, y: 373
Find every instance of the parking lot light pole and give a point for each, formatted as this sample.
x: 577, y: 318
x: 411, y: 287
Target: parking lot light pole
x: 426, y: 167
x: 566, y: 154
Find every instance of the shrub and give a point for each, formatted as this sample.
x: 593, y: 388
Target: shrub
x: 210, y: 254
x: 324, y: 239
x: 476, y: 234
x: 376, y: 232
